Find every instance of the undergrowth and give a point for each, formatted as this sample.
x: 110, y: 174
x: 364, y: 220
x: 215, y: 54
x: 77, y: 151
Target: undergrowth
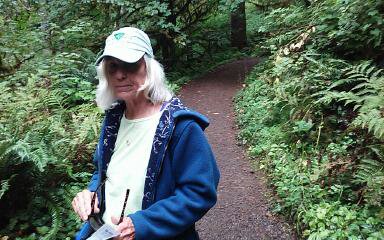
x: 312, y: 117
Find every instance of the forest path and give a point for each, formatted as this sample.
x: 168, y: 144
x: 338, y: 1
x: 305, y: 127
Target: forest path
x: 243, y: 207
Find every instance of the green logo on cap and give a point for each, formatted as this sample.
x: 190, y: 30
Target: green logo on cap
x: 119, y: 35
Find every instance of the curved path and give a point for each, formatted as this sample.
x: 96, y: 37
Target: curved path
x: 243, y: 207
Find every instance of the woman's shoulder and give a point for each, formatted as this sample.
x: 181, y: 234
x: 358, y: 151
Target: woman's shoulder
x: 181, y: 113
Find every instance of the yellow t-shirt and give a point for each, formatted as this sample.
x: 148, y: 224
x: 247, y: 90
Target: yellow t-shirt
x: 128, y: 165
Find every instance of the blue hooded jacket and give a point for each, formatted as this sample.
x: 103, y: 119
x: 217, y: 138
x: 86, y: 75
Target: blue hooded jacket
x: 182, y: 175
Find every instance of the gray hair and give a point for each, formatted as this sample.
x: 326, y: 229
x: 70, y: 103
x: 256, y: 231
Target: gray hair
x: 154, y: 87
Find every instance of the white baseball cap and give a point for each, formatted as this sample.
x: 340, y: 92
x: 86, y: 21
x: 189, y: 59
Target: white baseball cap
x: 128, y: 44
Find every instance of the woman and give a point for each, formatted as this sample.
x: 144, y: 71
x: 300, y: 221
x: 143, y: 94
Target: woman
x: 154, y: 165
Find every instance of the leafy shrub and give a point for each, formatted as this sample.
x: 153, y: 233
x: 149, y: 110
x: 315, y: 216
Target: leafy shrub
x: 49, y: 126
x: 311, y: 115
x: 48, y: 140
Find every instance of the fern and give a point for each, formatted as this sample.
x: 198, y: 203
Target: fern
x: 370, y: 173
x: 57, y: 221
x: 366, y: 94
x: 43, y: 139
x: 4, y: 186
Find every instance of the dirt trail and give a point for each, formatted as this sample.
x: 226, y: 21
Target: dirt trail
x: 243, y: 207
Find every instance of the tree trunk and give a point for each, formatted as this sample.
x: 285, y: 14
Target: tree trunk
x: 167, y: 51
x: 168, y: 47
x: 238, y: 26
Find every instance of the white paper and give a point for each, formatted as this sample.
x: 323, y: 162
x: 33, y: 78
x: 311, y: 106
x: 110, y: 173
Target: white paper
x: 105, y: 232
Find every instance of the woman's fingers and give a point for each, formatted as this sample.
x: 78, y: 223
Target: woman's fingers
x: 82, y: 204
x: 115, y: 220
x: 126, y: 228
x: 87, y: 199
x: 128, y: 234
x: 76, y: 205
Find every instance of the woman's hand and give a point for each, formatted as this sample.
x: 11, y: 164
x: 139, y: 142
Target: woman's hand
x: 126, y: 228
x: 82, y: 204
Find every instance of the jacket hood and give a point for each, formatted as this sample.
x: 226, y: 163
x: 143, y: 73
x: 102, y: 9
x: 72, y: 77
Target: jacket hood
x: 193, y: 115
x: 179, y: 111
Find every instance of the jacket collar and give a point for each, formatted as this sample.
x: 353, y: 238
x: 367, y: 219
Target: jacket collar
x: 160, y: 143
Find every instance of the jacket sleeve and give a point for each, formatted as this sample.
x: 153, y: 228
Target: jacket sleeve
x: 196, y: 177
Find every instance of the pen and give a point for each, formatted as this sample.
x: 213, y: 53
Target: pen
x: 125, y: 204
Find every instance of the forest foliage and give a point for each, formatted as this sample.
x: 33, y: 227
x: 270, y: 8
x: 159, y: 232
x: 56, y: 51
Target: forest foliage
x: 312, y: 114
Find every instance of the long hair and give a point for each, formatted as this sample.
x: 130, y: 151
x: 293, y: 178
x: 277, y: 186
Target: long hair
x: 154, y: 87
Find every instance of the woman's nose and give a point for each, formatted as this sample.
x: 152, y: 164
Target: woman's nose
x: 120, y: 75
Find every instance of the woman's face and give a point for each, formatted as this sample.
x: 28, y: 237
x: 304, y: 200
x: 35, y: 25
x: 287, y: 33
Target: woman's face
x: 125, y: 78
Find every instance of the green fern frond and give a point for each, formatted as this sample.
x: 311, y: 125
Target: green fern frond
x: 363, y: 85
x: 370, y: 166
x: 377, y: 73
x: 367, y: 169
x: 362, y: 68
x: 366, y: 91
x: 4, y: 187
x: 378, y: 128
x: 370, y: 173
x: 57, y: 221
x: 378, y: 151
x: 366, y: 95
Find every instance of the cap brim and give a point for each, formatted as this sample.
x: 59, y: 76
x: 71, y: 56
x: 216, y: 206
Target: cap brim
x: 129, y: 55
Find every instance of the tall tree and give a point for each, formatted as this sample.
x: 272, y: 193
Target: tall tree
x: 238, y: 26
x: 183, y: 15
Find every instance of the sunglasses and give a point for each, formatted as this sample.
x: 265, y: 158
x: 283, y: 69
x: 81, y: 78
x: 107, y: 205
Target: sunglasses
x: 113, y: 64
x: 94, y: 219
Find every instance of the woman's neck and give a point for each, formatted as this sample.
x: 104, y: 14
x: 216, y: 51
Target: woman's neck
x: 140, y: 109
